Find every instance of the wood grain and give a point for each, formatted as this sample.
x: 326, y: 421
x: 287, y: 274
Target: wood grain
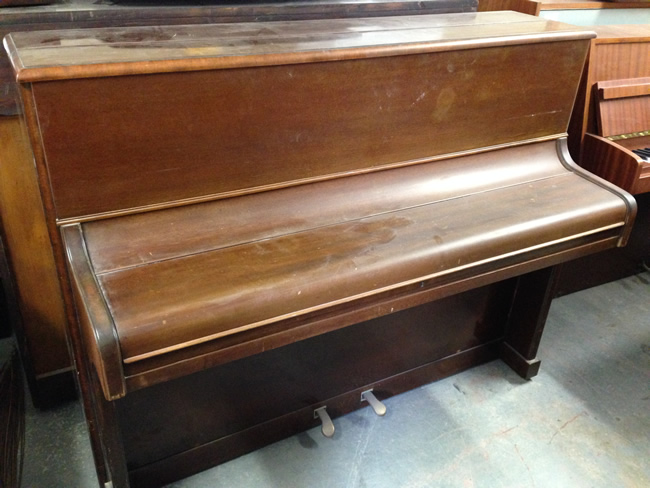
x: 617, y: 164
x: 30, y: 255
x: 40, y: 56
x: 192, y: 229
x: 95, y: 319
x: 619, y: 52
x: 334, y: 119
x: 251, y: 283
x: 634, y: 87
x: 83, y: 14
x: 235, y: 214
x: 624, y: 115
x: 531, y: 7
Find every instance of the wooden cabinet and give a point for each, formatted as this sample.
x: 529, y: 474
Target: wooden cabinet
x: 618, y: 52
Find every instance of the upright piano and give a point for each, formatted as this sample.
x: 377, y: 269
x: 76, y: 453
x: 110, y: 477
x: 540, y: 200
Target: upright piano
x: 261, y: 227
x: 620, y: 151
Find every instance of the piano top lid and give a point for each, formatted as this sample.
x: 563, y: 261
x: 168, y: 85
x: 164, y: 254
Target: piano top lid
x: 84, y: 53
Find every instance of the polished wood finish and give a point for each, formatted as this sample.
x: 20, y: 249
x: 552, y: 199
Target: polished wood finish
x: 372, y: 354
x: 71, y: 14
x: 530, y: 7
x: 611, y: 264
x: 617, y: 164
x: 95, y: 321
x: 635, y: 87
x: 623, y: 117
x: 591, y: 4
x: 386, y: 239
x: 622, y: 107
x: 390, y: 239
x: 534, y: 7
x: 51, y: 378
x: 65, y: 55
x: 35, y: 280
x: 351, y: 142
x: 277, y: 222
x: 618, y: 52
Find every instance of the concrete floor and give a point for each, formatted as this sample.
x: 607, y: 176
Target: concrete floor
x: 584, y: 421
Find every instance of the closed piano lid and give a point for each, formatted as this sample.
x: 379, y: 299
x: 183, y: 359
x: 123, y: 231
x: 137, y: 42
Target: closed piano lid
x: 83, y: 53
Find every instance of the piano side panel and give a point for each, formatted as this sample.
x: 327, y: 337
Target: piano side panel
x: 611, y: 162
x: 189, y: 135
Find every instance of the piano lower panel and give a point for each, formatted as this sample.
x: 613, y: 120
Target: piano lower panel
x: 260, y: 399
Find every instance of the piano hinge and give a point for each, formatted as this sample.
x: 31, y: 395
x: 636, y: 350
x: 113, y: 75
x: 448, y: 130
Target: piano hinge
x: 630, y: 135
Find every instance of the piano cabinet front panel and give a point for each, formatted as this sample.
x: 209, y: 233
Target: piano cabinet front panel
x: 227, y: 400
x: 196, y: 134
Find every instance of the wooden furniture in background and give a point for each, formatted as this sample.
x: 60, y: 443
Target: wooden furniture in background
x: 39, y: 318
x: 623, y: 116
x: 570, y: 10
x: 37, y: 312
x: 530, y: 7
x: 619, y: 52
x: 263, y: 221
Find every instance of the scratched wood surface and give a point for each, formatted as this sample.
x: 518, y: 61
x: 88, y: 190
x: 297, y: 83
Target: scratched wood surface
x: 83, y: 53
x: 260, y: 280
x: 84, y: 14
x: 333, y: 119
x: 330, y: 142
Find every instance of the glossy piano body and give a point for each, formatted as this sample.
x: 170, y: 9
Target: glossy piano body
x: 623, y: 123
x: 258, y: 221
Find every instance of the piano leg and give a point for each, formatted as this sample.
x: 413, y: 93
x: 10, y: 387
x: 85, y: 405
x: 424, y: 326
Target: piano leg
x: 111, y: 460
x: 530, y: 307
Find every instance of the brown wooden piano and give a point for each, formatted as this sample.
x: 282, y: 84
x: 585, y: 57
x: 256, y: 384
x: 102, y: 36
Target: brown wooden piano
x: 260, y: 227
x: 620, y: 152
x: 619, y: 52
